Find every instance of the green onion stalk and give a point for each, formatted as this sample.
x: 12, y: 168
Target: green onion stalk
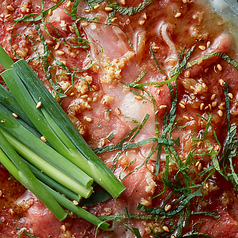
x: 14, y: 164
x: 75, y: 149
x: 53, y: 123
x: 41, y: 155
x: 17, y: 167
x: 52, y: 183
x: 63, y: 161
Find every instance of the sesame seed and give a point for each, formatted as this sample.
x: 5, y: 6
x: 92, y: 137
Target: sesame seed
x: 210, y: 106
x: 10, y: 8
x: 197, y: 163
x: 221, y: 81
x: 199, y: 143
x: 8, y: 16
x: 38, y: 105
x: 168, y: 207
x: 187, y: 73
x: 114, y: 19
x: 219, y: 67
x: 10, y: 29
x: 230, y: 95
x: 63, y: 228
x: 85, y: 208
x: 145, y: 16
x: 152, y: 168
x: 220, y: 113
x: 182, y: 105
x: 55, y: 1
x: 205, y: 108
x: 14, y: 114
x: 156, y: 47
x: 88, y: 119
x: 186, y: 118
x: 163, y: 107
x: 86, y: 10
x: 107, y: 99
x: 75, y: 203
x: 158, y: 91
x: 208, y: 44
x: 165, y: 228
x: 201, y: 47
x: 43, y: 139
x: 206, y: 70
x: 12, y: 212
x: 173, y: 235
x: 138, y: 97
x: 201, y: 106
x: 200, y: 62
x: 57, y: 46
x: 103, y: 142
x: 95, y: 87
x: 214, y: 104
x: 71, y: 94
x: 63, y: 62
x: 217, y: 148
x: 96, y: 6
x: 60, y: 52
x: 142, y: 22
x: 223, y: 104
x: 68, y: 4
x: 178, y: 14
x: 213, y: 96
x: 50, y: 12
x: 123, y: 2
x: 221, y: 107
x: 84, y: 96
x: 49, y: 42
x: 108, y: 9
x: 0, y: 193
x: 71, y: 29
x: 199, y: 167
x: 83, y: 24
x: 118, y: 111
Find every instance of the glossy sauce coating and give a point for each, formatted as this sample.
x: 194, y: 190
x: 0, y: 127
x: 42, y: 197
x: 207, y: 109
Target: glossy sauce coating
x: 167, y: 27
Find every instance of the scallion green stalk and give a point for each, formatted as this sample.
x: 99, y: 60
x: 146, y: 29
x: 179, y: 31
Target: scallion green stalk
x: 5, y: 60
x: 27, y: 103
x: 78, y: 210
x: 14, y: 164
x: 83, y: 156
x: 47, y: 195
x: 18, y: 130
x: 10, y: 102
x: 45, y: 125
x: 22, y: 138
x: 47, y: 168
x: 52, y: 183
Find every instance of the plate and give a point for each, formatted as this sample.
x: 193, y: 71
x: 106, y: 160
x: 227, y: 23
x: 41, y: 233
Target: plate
x: 228, y: 10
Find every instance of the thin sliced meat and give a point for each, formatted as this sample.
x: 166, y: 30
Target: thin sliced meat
x: 102, y: 111
x: 222, y: 44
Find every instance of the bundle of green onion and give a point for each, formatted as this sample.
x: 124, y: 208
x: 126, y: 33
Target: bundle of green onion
x: 42, y: 148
